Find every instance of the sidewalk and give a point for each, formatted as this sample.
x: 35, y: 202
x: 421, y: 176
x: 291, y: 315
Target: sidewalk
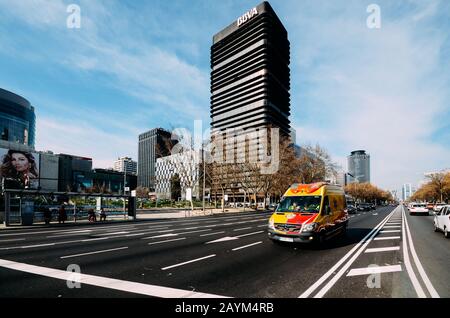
x: 141, y: 215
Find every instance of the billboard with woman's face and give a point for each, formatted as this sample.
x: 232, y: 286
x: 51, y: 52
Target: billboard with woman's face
x: 19, y: 169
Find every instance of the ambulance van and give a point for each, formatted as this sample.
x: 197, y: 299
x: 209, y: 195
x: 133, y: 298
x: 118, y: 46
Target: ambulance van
x: 309, y: 213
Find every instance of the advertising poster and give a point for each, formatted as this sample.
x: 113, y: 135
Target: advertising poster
x: 19, y: 169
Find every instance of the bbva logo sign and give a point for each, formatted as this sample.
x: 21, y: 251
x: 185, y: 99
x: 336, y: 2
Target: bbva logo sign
x: 247, y: 16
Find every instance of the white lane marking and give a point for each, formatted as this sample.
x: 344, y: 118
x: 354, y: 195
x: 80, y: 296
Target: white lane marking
x: 382, y: 249
x: 245, y: 246
x: 264, y: 225
x: 166, y: 241
x: 96, y: 252
x: 253, y: 233
x: 374, y: 270
x: 160, y: 236
x: 223, y: 239
x: 333, y: 269
x: 188, y: 262
x: 419, y: 266
x: 115, y: 233
x: 386, y: 238
x: 194, y: 231
x: 38, y: 245
x: 95, y: 239
x: 242, y: 229
x: 208, y: 234
x: 12, y: 240
x: 393, y: 223
x: 409, y: 268
x: 390, y: 231
x: 73, y: 234
x: 104, y: 282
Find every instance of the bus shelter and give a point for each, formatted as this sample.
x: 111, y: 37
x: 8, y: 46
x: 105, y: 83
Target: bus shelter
x: 27, y: 207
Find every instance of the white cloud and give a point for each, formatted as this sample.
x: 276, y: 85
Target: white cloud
x: 379, y: 90
x: 82, y: 139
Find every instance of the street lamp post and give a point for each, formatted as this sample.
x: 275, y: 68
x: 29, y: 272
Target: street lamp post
x: 204, y: 176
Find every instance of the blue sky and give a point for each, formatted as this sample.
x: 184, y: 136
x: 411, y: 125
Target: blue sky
x: 135, y: 65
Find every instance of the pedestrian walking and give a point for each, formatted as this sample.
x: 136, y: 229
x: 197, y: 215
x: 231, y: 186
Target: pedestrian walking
x: 92, y: 216
x: 62, y: 214
x: 102, y: 214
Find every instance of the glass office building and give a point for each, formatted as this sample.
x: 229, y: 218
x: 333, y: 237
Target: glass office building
x: 17, y: 119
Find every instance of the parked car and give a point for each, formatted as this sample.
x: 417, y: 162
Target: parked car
x: 442, y: 221
x: 438, y: 206
x: 418, y: 208
x: 430, y: 206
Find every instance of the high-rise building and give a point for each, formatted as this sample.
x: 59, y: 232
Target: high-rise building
x: 250, y: 78
x: 125, y: 164
x: 17, y: 121
x: 250, y: 84
x: 407, y: 191
x: 153, y: 144
x: 359, y: 166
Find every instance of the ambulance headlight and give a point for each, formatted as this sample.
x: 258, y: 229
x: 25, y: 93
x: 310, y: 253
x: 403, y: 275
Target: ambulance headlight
x: 310, y: 227
x: 271, y: 224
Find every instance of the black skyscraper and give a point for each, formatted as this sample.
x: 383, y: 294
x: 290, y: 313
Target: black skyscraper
x: 250, y: 79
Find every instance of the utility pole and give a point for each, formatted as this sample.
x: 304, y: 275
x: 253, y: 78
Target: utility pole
x: 204, y: 175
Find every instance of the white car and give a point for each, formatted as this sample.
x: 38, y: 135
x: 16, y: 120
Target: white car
x: 438, y: 207
x: 418, y: 208
x: 442, y: 221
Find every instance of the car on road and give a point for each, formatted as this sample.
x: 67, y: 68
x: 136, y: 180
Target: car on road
x: 438, y: 206
x: 442, y: 221
x: 309, y: 213
x: 418, y: 208
x: 351, y: 209
x: 364, y: 207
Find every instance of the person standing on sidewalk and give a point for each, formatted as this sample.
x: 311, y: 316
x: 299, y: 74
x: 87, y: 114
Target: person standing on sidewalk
x: 102, y: 214
x: 47, y: 215
x: 62, y: 214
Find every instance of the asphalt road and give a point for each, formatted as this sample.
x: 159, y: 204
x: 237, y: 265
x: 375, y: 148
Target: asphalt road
x: 226, y: 256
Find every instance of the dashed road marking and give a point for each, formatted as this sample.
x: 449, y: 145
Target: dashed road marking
x: 374, y: 270
x: 95, y: 252
x: 167, y: 241
x: 382, y: 249
x: 386, y: 238
x: 245, y: 246
x: 188, y: 262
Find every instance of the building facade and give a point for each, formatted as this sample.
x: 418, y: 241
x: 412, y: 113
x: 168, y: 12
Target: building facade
x: 359, y: 167
x: 17, y: 121
x: 125, y: 164
x: 153, y: 144
x: 74, y: 173
x: 186, y: 166
x: 250, y: 86
x: 250, y: 78
x: 407, y: 191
